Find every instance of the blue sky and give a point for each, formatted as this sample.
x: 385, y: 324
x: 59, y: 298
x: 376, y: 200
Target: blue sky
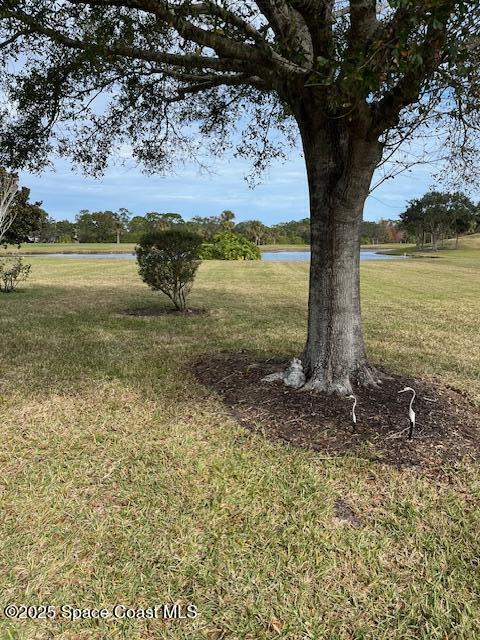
x: 281, y: 195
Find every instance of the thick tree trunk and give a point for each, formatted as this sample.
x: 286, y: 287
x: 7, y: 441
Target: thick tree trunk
x: 340, y: 169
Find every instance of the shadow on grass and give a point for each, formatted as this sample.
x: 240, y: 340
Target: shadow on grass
x: 58, y: 339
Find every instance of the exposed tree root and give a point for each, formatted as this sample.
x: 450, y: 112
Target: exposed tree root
x: 365, y: 376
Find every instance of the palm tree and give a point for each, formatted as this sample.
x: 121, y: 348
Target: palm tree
x: 227, y: 218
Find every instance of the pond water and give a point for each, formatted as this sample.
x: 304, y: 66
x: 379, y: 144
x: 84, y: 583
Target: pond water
x: 268, y: 256
x: 305, y: 255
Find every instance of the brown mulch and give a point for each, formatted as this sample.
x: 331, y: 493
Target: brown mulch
x: 167, y: 311
x: 447, y: 425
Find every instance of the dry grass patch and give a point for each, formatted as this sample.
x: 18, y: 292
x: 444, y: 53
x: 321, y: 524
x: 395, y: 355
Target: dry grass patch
x: 125, y: 480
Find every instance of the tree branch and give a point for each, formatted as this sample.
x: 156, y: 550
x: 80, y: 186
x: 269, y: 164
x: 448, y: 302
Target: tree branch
x: 225, y: 47
x: 363, y: 21
x: 186, y: 61
x: 317, y: 17
x: 210, y: 82
x: 406, y: 91
x: 12, y: 39
x: 278, y: 16
x: 187, y: 8
x: 430, y: 52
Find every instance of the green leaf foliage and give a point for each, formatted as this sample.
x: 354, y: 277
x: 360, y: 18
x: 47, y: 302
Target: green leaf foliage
x: 12, y: 272
x: 230, y: 246
x: 168, y: 261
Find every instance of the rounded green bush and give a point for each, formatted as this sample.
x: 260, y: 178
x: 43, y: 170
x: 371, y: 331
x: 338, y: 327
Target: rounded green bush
x: 168, y: 261
x: 230, y: 246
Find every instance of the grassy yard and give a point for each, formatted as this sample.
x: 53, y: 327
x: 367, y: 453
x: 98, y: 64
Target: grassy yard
x: 72, y: 247
x: 123, y: 480
x: 468, y: 243
x: 111, y: 247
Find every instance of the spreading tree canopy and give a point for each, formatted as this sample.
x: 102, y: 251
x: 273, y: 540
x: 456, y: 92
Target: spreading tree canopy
x: 355, y: 79
x: 439, y: 214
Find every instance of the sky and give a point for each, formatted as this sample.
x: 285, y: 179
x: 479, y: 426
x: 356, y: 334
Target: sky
x: 281, y: 195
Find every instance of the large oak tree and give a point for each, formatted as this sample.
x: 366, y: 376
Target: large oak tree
x: 357, y: 77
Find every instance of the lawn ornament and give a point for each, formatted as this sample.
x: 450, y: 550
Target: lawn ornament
x: 354, y: 415
x: 294, y: 376
x: 411, y: 412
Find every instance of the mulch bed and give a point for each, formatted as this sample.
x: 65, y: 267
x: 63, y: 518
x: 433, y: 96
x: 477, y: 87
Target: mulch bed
x: 447, y: 429
x: 167, y: 311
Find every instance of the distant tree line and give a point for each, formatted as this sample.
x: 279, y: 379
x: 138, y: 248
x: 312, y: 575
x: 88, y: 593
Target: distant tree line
x: 429, y: 219
x: 381, y: 232
x: 122, y: 226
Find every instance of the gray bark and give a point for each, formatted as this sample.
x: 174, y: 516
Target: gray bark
x: 8, y: 191
x: 340, y: 169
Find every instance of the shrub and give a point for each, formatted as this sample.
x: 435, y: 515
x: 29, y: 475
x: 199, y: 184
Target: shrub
x: 12, y: 272
x: 168, y: 261
x: 230, y: 246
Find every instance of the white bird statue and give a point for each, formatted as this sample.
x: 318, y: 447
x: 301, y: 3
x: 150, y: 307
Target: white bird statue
x: 411, y: 412
x: 354, y: 415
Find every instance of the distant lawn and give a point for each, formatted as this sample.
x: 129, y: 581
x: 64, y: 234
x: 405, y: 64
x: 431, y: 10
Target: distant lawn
x: 124, y: 480
x: 72, y: 247
x: 386, y: 246
x: 101, y: 247
x: 465, y: 243
x: 111, y: 247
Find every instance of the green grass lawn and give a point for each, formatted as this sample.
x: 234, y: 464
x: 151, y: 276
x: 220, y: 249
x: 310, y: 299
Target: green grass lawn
x: 71, y: 247
x: 465, y: 243
x: 124, y: 480
x: 110, y: 247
